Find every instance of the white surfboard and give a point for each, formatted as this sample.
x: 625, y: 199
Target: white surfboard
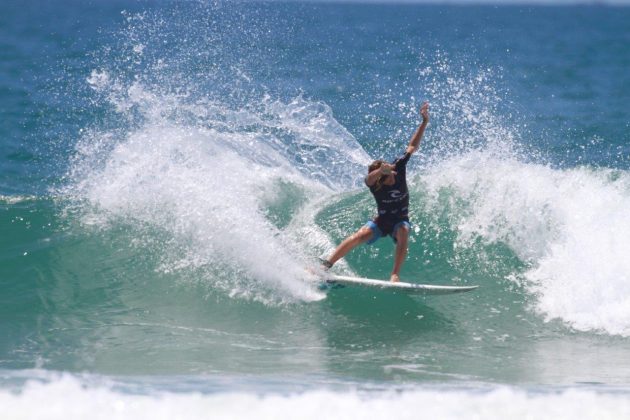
x: 408, y: 288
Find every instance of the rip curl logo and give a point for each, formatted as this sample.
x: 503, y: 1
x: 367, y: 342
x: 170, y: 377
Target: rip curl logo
x: 395, y: 197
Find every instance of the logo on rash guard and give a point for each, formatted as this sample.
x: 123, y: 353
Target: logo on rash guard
x: 395, y: 197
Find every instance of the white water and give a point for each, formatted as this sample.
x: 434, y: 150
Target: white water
x: 204, y: 175
x: 68, y: 398
x: 570, y: 226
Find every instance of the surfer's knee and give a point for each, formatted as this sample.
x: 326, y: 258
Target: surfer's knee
x: 402, y: 235
x: 363, y: 235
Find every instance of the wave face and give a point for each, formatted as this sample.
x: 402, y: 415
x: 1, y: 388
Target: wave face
x: 207, y: 153
x: 568, y: 228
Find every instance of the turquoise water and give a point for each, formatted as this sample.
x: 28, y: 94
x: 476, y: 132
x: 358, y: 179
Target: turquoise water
x: 169, y: 170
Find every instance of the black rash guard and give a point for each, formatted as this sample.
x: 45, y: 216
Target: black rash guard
x: 392, y: 200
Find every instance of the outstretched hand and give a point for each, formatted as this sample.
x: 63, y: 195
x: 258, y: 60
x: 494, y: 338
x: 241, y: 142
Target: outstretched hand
x: 424, y: 111
x: 417, y: 135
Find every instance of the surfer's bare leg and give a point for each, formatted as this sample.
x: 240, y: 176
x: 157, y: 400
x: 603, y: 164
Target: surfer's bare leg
x: 360, y: 236
x: 402, y: 240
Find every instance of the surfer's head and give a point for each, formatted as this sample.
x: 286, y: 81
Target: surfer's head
x: 374, y: 166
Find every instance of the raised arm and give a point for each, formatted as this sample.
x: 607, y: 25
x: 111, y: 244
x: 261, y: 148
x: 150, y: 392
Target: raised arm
x: 417, y: 135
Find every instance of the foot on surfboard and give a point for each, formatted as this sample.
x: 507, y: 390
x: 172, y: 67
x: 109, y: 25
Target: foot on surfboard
x: 326, y: 265
x: 320, y: 268
x: 394, y: 278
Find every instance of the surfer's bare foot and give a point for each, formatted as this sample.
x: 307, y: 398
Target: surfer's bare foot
x: 325, y: 264
x: 394, y: 278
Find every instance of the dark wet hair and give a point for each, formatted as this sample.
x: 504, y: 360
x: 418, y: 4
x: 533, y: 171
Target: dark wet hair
x: 374, y: 166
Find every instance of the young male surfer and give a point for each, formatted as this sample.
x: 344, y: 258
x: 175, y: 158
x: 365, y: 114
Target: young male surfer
x: 388, y: 184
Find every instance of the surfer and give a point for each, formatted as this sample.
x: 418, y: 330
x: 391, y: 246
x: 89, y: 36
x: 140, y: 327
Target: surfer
x: 388, y: 183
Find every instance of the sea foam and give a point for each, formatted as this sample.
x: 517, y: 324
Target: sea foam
x: 204, y: 174
x: 69, y: 398
x: 569, y: 226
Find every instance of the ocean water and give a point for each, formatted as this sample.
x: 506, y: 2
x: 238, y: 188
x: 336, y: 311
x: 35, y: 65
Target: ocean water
x: 169, y: 170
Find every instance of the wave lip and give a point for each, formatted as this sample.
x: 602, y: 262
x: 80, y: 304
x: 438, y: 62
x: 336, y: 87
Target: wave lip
x: 568, y: 226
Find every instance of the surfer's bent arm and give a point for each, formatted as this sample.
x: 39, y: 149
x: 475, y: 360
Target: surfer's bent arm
x: 373, y: 176
x: 417, y: 136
